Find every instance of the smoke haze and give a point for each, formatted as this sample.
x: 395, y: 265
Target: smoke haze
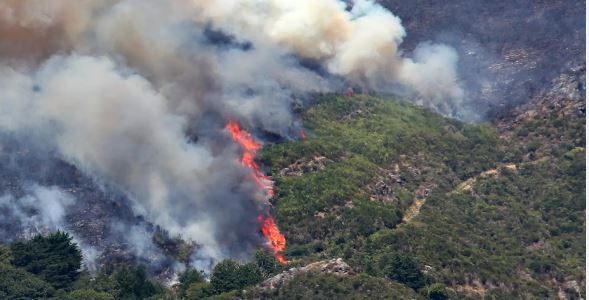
x: 135, y: 94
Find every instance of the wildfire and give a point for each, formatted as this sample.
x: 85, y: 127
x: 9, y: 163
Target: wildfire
x: 275, y: 239
x: 250, y: 147
x: 302, y: 135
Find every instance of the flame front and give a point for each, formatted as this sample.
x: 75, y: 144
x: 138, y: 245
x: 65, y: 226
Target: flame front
x: 275, y: 239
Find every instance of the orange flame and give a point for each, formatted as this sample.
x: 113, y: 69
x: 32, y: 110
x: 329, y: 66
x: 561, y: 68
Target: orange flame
x: 250, y: 147
x: 242, y: 137
x: 302, y: 134
x: 275, y: 239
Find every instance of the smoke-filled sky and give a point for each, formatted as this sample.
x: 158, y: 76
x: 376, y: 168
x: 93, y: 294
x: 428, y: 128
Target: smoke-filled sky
x: 135, y: 93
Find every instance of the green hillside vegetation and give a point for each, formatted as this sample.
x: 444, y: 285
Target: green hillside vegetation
x: 511, y: 232
x: 329, y: 286
x: 364, y: 136
x: 49, y: 267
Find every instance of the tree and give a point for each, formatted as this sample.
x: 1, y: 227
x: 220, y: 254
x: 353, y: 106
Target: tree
x: 19, y: 284
x: 225, y: 276
x: 54, y: 258
x: 267, y: 263
x: 188, y: 278
x: 404, y: 269
x: 230, y: 275
x: 87, y: 294
x: 132, y: 283
x: 436, y: 291
x: 249, y: 274
x: 198, y: 290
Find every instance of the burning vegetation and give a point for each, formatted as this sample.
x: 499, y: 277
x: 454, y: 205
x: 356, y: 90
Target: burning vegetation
x: 276, y: 241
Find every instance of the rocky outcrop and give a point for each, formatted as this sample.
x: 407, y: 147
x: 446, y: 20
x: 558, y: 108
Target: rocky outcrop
x: 551, y: 120
x: 305, y: 165
x: 333, y: 266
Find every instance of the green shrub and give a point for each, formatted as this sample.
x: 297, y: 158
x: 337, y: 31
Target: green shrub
x: 133, y: 283
x: 5, y: 254
x: 55, y: 258
x: 267, y: 263
x: 436, y: 291
x: 230, y: 275
x: 198, y: 290
x: 87, y: 294
x: 188, y: 278
x: 19, y: 284
x: 404, y: 269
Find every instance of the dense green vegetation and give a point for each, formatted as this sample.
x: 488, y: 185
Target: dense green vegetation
x: 49, y: 267
x: 54, y: 258
x: 366, y: 137
x: 512, y: 234
x: 329, y: 286
x: 420, y: 206
x: 19, y: 284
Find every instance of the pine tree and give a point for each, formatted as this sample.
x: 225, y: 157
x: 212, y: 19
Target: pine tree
x: 55, y: 258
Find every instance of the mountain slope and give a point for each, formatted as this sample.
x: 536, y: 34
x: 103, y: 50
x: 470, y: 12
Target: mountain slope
x: 490, y: 213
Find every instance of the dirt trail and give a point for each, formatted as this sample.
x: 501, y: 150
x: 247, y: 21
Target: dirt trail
x: 468, y: 184
x: 413, y: 210
x: 464, y: 186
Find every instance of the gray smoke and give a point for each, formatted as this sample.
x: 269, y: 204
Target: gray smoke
x: 135, y: 94
x: 40, y: 210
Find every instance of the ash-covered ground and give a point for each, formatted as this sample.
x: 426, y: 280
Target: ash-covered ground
x: 40, y: 193
x: 508, y: 50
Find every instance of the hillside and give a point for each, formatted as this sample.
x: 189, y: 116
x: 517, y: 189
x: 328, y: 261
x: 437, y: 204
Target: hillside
x: 509, y: 51
x: 316, y: 149
x: 485, y: 210
x: 412, y: 203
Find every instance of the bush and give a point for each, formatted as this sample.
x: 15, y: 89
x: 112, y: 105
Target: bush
x: 188, y: 278
x: 402, y: 268
x: 318, y: 285
x: 436, y: 291
x: 54, y: 258
x: 198, y: 290
x: 230, y: 275
x: 87, y: 294
x: 19, y: 284
x: 267, y: 263
x: 132, y: 283
x: 5, y: 255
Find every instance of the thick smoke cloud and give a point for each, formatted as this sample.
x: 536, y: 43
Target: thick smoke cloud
x: 135, y: 93
x: 118, y: 128
x: 361, y: 44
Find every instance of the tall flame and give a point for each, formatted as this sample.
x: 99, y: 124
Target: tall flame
x: 275, y: 239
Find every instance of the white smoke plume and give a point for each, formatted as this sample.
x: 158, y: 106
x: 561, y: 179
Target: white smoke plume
x: 135, y: 93
x: 40, y: 210
x: 361, y: 44
x: 117, y: 127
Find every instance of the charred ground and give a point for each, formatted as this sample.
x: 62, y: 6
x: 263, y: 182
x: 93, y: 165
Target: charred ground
x: 509, y: 51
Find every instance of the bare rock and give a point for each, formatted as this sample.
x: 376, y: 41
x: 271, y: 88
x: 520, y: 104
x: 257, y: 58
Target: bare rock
x: 304, y: 165
x: 333, y: 266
